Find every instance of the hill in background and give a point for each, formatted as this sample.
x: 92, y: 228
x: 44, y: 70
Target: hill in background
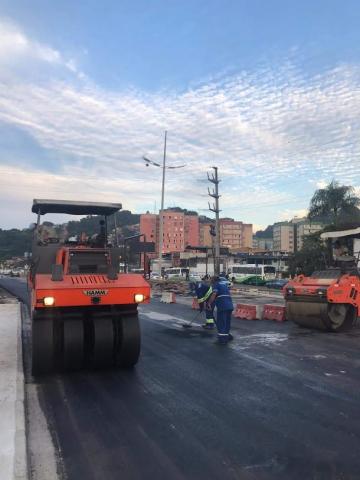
x: 15, y: 242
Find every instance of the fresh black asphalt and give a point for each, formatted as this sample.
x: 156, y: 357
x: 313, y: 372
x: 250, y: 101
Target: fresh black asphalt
x: 278, y: 403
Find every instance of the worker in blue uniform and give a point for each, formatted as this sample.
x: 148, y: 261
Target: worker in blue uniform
x: 203, y: 291
x: 221, y: 298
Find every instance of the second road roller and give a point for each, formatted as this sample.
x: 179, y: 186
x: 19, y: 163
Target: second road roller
x: 329, y: 299
x: 84, y: 311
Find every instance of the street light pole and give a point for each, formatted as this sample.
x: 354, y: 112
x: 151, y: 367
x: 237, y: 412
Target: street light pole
x: 161, y: 219
x: 161, y: 222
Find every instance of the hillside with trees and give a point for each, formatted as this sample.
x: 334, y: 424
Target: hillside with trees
x: 267, y: 233
x: 15, y: 242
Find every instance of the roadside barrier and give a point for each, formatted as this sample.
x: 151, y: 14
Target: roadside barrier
x: 195, y: 304
x: 247, y: 312
x: 168, y: 297
x: 259, y: 311
x: 274, y: 312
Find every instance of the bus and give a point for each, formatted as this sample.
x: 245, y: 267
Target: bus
x: 176, y: 272
x: 240, y: 272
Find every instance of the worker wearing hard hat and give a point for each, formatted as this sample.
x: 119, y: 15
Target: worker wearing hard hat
x: 203, y: 291
x: 221, y: 298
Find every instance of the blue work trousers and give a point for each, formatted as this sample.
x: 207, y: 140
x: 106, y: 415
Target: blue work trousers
x: 223, y: 321
x: 209, y: 314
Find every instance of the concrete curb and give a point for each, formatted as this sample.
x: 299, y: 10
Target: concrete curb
x: 21, y: 466
x: 13, y: 452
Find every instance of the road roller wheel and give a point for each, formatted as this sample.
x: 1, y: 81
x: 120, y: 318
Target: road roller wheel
x: 341, y: 316
x: 42, y: 345
x: 308, y: 314
x: 103, y: 354
x: 333, y: 317
x: 129, y: 340
x: 73, y: 347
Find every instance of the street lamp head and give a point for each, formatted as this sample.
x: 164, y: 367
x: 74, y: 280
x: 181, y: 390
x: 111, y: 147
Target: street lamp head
x: 148, y: 162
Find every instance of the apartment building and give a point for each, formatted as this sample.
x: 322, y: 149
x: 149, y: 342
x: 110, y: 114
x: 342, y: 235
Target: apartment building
x: 191, y: 230
x: 179, y: 230
x: 263, y: 243
x: 289, y: 236
x: 235, y: 235
x: 173, y: 231
x: 303, y: 228
x: 283, y: 236
x: 149, y: 226
x: 205, y: 239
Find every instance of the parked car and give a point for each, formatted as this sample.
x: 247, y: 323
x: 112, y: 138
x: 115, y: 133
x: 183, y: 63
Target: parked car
x: 195, y: 277
x: 256, y: 280
x: 278, y: 284
x: 154, y: 276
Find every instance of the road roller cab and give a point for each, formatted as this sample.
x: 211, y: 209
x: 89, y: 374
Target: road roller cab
x: 329, y: 299
x: 84, y: 311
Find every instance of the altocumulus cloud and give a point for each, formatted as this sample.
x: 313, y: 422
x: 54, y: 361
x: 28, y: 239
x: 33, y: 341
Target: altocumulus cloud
x: 274, y: 132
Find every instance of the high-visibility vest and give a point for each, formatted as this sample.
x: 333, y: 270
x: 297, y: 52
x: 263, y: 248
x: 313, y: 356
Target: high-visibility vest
x: 206, y: 296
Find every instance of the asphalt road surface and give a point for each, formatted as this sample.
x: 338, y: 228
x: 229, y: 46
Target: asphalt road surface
x: 279, y: 402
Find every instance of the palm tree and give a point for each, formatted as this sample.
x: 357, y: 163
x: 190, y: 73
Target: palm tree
x: 332, y: 201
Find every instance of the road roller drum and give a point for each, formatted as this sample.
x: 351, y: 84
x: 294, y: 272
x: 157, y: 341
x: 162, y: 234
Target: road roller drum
x: 327, y: 300
x: 322, y: 316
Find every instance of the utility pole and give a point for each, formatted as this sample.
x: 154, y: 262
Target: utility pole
x: 215, y: 208
x: 161, y: 220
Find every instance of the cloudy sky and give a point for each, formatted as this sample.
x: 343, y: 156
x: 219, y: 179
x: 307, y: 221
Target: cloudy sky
x: 267, y: 90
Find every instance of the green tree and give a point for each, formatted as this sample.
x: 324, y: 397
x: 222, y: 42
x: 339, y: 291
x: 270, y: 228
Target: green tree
x: 313, y: 256
x: 90, y: 224
x: 335, y: 204
x: 14, y: 242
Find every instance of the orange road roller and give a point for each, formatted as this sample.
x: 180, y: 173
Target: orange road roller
x: 329, y: 299
x: 84, y: 311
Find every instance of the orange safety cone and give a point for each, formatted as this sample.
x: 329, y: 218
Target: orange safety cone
x: 195, y: 304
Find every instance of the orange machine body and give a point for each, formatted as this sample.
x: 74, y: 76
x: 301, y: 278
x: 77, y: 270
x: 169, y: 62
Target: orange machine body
x: 344, y: 290
x: 82, y: 290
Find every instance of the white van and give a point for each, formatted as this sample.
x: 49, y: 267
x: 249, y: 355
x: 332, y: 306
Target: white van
x: 176, y: 272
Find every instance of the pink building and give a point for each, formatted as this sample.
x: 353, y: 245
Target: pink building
x: 235, y: 235
x: 179, y: 230
x: 191, y: 226
x: 148, y: 226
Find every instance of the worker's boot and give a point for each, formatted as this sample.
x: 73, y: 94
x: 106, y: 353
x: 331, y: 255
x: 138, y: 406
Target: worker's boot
x: 222, y: 340
x: 209, y: 325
